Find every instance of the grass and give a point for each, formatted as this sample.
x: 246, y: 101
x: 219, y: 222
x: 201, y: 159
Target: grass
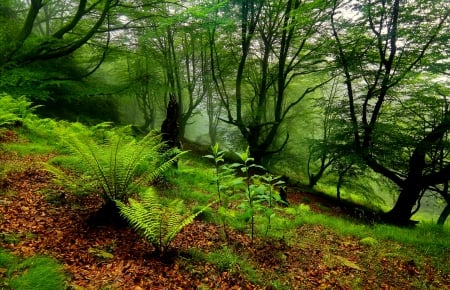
x: 36, y: 272
x: 192, y: 182
x: 29, y: 148
x: 71, y: 162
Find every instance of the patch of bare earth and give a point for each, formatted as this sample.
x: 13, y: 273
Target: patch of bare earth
x: 320, y: 259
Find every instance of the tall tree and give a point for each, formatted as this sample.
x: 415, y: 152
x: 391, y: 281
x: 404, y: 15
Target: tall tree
x: 276, y: 46
x: 145, y: 81
x: 382, y: 49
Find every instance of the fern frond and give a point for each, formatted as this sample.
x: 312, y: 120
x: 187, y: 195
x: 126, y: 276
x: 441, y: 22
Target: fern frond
x: 79, y: 185
x: 157, y: 222
x: 115, y: 160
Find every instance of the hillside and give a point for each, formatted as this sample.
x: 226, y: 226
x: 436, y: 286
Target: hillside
x: 308, y: 246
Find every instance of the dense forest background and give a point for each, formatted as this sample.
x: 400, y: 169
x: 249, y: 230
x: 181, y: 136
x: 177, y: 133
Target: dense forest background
x: 348, y: 97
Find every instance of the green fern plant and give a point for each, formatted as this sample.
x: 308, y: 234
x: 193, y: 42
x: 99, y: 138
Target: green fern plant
x: 116, y: 163
x: 158, y: 222
x: 13, y: 110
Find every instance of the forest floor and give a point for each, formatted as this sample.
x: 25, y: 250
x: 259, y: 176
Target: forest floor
x: 108, y: 257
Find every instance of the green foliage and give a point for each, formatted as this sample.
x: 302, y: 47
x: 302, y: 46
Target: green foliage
x: 217, y: 157
x: 271, y: 194
x: 39, y: 60
x: 44, y: 131
x: 188, y: 181
x: 36, y: 272
x: 369, y: 241
x: 80, y: 104
x: 251, y: 190
x: 158, y: 222
x: 7, y: 259
x: 19, y: 112
x: 113, y: 161
x: 10, y: 238
x: 224, y: 179
x: 227, y: 260
x: 14, y: 110
x: 260, y: 194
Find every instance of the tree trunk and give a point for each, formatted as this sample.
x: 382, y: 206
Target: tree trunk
x: 444, y: 215
x: 402, y: 212
x: 338, y: 187
x: 314, y: 178
x: 256, y: 152
x: 170, y: 128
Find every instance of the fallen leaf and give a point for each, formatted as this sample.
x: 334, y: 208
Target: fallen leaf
x: 346, y: 262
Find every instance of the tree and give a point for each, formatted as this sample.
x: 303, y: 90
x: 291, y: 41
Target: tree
x: 276, y: 46
x: 66, y: 36
x: 439, y: 154
x: 178, y: 41
x: 42, y: 36
x: 324, y: 148
x: 146, y: 83
x: 382, y: 51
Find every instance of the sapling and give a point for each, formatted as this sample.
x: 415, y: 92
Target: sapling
x: 222, y: 174
x: 217, y: 157
x: 271, y: 183
x: 251, y: 190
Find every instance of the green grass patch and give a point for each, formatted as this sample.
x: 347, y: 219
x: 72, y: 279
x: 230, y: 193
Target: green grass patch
x: 196, y: 178
x: 191, y: 183
x: 37, y: 272
x: 31, y: 148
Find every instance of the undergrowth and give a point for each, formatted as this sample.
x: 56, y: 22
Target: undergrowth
x: 424, y: 242
x: 196, y: 182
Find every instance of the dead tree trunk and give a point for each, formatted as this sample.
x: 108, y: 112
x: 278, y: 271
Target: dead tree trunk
x: 170, y: 128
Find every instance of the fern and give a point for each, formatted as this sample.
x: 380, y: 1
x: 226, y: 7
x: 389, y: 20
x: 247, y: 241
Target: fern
x: 159, y: 223
x: 117, y: 163
x: 14, y: 110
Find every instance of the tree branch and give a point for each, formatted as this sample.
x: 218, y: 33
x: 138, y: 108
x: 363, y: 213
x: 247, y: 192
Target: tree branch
x: 76, y: 18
